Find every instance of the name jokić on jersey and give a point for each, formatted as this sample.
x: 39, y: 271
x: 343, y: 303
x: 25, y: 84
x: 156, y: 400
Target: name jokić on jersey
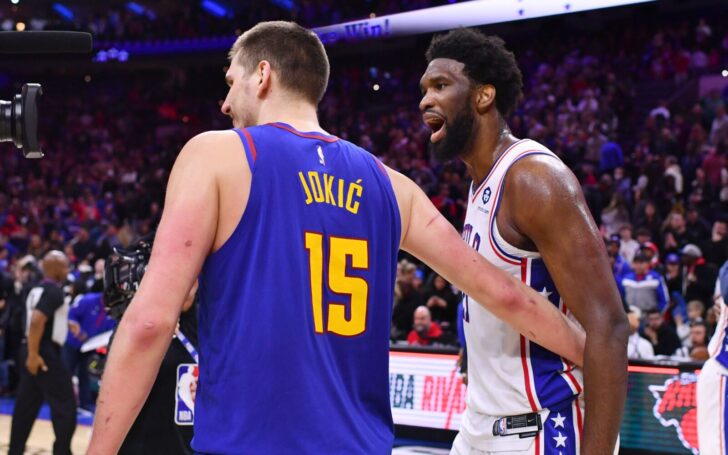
x: 343, y: 195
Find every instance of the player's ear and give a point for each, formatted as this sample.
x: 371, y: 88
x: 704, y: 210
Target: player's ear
x: 484, y: 97
x: 263, y: 74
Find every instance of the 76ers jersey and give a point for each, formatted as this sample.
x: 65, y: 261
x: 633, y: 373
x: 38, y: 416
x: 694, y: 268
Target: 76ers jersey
x: 507, y: 374
x: 295, y: 307
x: 718, y: 347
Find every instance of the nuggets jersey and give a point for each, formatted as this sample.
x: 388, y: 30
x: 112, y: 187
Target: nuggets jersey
x: 295, y: 307
x: 507, y: 374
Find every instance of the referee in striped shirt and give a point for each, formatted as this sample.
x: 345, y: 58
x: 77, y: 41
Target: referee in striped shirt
x: 45, y: 377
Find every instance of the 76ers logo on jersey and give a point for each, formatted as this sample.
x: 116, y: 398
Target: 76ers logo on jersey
x: 486, y: 195
x: 675, y: 406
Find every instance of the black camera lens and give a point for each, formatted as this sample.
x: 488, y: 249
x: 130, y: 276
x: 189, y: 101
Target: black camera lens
x: 19, y: 120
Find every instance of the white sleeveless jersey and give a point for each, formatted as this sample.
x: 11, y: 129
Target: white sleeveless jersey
x: 507, y: 374
x: 718, y: 347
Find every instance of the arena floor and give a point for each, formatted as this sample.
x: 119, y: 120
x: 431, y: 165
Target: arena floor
x: 41, y: 438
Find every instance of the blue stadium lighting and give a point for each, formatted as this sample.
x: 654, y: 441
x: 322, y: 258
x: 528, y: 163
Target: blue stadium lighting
x: 285, y: 4
x: 135, y: 8
x: 214, y: 8
x: 63, y: 10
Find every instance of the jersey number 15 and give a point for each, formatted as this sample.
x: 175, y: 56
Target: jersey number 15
x: 340, y: 249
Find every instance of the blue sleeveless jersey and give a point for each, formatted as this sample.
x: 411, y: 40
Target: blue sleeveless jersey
x: 296, y: 306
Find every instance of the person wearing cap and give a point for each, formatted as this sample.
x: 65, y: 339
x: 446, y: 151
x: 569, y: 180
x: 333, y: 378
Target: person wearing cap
x: 650, y: 250
x: 698, y: 276
x: 644, y: 288
x: 673, y: 273
x: 637, y: 347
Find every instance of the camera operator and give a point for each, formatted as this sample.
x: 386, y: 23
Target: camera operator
x: 164, y: 424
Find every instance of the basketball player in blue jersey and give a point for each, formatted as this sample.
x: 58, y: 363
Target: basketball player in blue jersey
x: 294, y: 235
x: 712, y: 393
x: 526, y: 215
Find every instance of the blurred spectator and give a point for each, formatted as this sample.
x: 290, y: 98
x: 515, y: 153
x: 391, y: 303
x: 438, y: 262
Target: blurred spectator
x: 424, y: 331
x: 675, y: 233
x: 698, y: 277
x: 716, y: 247
x: 697, y: 228
x: 615, y: 215
x: 628, y: 246
x: 696, y: 311
x: 672, y: 169
x: 649, y: 249
x: 663, y: 338
x: 719, y: 127
x: 441, y: 301
x: 637, y: 347
x: 611, y: 156
x: 698, y: 347
x: 644, y: 288
x: 673, y: 274
x: 408, y: 297
x: 86, y: 319
x: 648, y: 219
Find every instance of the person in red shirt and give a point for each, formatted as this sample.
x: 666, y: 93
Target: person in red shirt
x: 425, y: 331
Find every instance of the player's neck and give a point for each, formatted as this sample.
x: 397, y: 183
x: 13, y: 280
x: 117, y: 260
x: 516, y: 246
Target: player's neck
x: 491, y: 139
x: 299, y: 114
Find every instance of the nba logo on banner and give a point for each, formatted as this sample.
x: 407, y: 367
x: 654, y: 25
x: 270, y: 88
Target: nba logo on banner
x: 184, y: 407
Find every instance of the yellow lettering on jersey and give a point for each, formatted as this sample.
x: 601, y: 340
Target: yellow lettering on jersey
x: 328, y: 183
x: 318, y: 193
x: 345, y: 195
x: 341, y: 194
x: 351, y: 205
x: 309, y: 199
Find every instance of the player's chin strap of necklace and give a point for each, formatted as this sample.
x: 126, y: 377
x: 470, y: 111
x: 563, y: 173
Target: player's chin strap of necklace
x: 187, y: 344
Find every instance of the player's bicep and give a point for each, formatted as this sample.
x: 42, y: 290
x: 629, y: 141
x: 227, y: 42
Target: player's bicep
x: 552, y: 212
x: 187, y: 227
x: 432, y: 239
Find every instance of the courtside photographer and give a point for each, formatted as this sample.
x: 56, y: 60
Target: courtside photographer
x: 165, y: 422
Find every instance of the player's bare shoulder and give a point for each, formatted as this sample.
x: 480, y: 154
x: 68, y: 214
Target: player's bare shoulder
x: 541, y: 182
x: 213, y: 149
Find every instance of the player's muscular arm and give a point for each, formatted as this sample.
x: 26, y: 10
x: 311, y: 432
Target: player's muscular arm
x: 546, y: 205
x: 184, y: 238
x: 430, y: 237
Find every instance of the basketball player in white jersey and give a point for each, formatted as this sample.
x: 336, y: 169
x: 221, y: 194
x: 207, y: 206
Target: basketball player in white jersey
x: 526, y: 214
x: 713, y: 381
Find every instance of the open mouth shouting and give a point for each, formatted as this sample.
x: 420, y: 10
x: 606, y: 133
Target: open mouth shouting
x: 436, y: 123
